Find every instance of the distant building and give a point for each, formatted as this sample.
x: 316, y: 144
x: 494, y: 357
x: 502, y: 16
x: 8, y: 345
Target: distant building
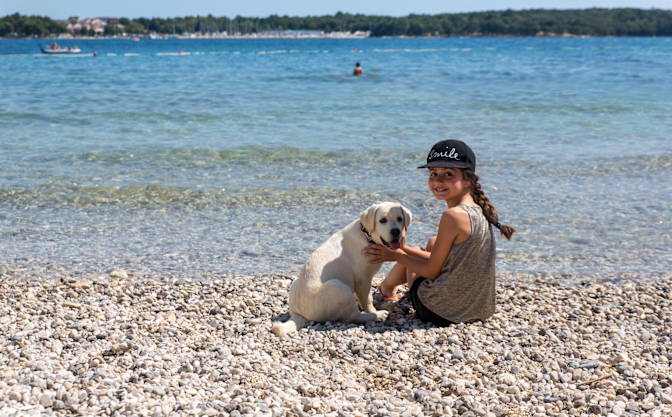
x: 97, y: 24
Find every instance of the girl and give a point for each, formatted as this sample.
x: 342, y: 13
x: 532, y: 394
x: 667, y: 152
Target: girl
x: 453, y: 279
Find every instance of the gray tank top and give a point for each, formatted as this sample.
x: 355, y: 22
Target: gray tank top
x: 465, y: 289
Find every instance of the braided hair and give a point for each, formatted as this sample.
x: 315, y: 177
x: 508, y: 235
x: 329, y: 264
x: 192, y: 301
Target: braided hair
x: 488, y: 209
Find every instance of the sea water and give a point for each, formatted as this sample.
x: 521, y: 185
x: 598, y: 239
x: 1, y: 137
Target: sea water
x: 195, y: 158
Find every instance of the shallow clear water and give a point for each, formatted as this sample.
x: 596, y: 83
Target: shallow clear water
x: 243, y: 156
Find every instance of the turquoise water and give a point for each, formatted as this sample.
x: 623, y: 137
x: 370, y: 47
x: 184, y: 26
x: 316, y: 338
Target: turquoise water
x: 244, y: 155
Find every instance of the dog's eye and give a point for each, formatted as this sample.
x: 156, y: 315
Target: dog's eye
x: 383, y: 221
x: 399, y: 219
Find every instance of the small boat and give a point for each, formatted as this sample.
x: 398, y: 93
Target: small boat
x: 59, y: 51
x: 135, y: 38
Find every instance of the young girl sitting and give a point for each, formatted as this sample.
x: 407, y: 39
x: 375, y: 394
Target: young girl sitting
x: 453, y: 279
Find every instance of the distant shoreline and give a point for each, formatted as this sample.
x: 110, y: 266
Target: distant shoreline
x: 181, y: 37
x: 532, y: 22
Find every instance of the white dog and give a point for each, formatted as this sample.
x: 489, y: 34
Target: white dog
x: 338, y: 274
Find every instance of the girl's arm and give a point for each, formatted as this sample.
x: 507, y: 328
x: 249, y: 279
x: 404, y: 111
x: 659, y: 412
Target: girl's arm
x: 416, y: 253
x: 428, y: 268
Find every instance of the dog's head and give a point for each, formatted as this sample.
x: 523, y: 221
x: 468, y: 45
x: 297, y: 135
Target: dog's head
x: 385, y: 221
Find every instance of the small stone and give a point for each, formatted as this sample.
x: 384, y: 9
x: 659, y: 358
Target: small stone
x: 590, y: 365
x: 46, y: 401
x: 479, y: 410
x: 71, y: 304
x: 119, y: 273
x: 513, y: 390
x: 15, y: 396
x: 185, y: 368
x: 498, y: 412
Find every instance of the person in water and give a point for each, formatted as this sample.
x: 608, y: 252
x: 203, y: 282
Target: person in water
x: 358, y: 70
x: 452, y: 280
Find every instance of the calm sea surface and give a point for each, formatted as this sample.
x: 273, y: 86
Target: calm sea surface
x: 244, y: 155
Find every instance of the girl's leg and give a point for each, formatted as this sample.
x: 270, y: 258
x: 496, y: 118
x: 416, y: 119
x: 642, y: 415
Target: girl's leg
x: 399, y: 275
x: 411, y: 276
x: 396, y: 277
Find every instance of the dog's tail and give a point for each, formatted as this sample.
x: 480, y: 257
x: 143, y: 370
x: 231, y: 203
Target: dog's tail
x: 294, y: 323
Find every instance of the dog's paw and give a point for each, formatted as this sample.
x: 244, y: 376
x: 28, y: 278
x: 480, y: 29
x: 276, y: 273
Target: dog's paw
x: 382, y: 315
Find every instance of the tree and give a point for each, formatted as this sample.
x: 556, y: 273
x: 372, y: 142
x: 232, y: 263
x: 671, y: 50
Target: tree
x: 134, y: 27
x: 527, y: 27
x: 473, y: 26
x: 6, y: 28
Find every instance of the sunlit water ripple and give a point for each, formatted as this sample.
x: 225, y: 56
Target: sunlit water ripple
x: 243, y: 156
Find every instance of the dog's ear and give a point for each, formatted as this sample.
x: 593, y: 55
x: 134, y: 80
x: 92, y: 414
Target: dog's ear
x: 406, y: 214
x: 368, y: 217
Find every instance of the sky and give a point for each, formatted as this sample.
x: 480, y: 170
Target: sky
x: 261, y: 8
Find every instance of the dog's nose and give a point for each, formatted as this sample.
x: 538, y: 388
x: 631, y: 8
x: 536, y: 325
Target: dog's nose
x: 395, y: 233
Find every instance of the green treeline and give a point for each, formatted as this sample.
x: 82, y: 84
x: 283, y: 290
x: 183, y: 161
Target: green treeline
x: 591, y: 22
x: 29, y: 26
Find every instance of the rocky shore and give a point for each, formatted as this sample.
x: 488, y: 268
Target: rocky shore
x: 120, y: 345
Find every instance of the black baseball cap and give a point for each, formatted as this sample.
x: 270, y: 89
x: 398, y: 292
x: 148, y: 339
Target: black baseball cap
x: 451, y: 154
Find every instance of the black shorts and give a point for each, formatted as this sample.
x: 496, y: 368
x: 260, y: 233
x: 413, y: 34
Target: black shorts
x: 423, y: 312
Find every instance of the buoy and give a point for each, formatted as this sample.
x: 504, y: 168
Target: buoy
x: 181, y: 52
x: 95, y: 53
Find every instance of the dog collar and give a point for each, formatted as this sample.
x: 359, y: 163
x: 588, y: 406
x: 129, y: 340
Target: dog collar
x: 366, y: 232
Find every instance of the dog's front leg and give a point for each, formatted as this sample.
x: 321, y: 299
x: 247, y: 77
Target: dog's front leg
x: 364, y: 297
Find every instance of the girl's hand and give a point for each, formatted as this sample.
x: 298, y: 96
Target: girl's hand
x: 378, y: 254
x: 402, y: 241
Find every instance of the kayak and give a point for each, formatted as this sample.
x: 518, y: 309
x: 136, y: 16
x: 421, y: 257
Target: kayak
x: 48, y: 50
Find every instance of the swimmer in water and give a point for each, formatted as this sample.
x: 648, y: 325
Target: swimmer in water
x: 358, y: 70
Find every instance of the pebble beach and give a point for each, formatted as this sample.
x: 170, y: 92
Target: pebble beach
x: 117, y: 344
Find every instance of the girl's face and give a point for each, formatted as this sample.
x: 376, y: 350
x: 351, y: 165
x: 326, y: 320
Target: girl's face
x: 447, y: 183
